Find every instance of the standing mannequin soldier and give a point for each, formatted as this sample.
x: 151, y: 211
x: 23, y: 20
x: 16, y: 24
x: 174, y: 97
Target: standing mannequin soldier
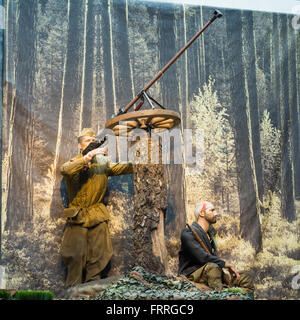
x: 86, y: 246
x: 198, y: 259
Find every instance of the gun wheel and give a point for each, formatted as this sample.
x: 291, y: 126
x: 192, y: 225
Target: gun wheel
x: 157, y: 120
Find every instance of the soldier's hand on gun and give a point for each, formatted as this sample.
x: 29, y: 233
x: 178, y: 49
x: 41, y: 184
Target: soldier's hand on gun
x: 233, y: 271
x: 95, y: 152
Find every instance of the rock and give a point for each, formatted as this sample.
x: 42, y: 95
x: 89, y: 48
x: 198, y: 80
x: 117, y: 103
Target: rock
x: 90, y: 289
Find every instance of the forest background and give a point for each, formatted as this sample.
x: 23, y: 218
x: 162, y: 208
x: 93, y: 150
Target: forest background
x: 72, y: 64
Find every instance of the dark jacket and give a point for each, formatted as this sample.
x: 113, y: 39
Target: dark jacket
x: 191, y: 255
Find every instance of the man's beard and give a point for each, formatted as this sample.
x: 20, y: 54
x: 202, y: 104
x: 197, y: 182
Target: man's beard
x: 211, y: 220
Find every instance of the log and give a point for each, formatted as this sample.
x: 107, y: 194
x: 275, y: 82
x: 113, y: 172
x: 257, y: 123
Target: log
x: 150, y: 204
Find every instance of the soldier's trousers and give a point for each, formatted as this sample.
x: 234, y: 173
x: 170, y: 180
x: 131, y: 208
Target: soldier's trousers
x: 211, y: 275
x: 85, y: 252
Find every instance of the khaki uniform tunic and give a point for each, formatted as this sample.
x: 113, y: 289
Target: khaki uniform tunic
x: 86, y: 246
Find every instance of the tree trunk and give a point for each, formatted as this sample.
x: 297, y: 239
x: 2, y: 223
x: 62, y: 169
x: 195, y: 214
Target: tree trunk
x: 249, y: 220
x: 9, y: 106
x: 251, y: 89
x: 70, y: 101
x: 297, y: 70
x: 150, y: 204
x: 275, y: 111
x: 192, y: 52
x: 276, y: 120
x: 1, y: 134
x: 98, y: 117
x: 88, y: 66
x: 9, y: 72
x: 287, y: 183
x: 295, y: 136
x: 110, y: 94
x: 174, y: 173
x: 122, y: 60
x: 20, y: 208
x: 269, y: 104
x: 181, y: 68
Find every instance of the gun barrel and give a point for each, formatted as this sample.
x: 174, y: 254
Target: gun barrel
x: 217, y: 14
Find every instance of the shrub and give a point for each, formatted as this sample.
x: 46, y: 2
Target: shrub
x: 33, y: 295
x: 5, y: 295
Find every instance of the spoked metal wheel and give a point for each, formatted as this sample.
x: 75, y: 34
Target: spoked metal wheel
x: 157, y: 120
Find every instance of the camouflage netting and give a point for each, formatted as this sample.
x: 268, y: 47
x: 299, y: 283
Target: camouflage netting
x: 142, y: 285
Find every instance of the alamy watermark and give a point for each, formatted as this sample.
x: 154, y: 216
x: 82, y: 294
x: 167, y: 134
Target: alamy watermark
x: 2, y: 278
x: 152, y: 147
x: 296, y: 278
x: 2, y: 17
x: 296, y: 18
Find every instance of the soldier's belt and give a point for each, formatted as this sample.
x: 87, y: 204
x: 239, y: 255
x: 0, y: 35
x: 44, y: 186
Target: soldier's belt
x: 70, y: 213
x: 87, y: 217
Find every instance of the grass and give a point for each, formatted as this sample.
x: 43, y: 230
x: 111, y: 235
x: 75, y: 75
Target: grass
x: 272, y: 266
x: 26, y: 295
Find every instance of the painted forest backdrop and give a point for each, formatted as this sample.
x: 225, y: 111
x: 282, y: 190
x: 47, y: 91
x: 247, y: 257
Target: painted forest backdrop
x: 73, y: 64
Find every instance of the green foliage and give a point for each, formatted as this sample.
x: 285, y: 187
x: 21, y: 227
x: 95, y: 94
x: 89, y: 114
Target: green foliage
x: 218, y: 180
x: 271, y: 267
x: 33, y: 295
x: 209, y: 115
x: 26, y: 295
x: 234, y: 290
x: 270, y: 151
x: 274, y: 263
x: 22, y: 247
x: 5, y: 295
x: 154, y: 287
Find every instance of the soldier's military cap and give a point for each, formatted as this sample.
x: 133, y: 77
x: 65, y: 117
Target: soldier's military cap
x: 86, y: 132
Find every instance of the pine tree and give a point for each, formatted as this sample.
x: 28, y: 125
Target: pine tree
x: 270, y: 151
x: 217, y: 182
x: 249, y: 219
x: 20, y: 209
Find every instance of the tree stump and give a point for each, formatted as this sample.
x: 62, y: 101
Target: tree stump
x: 150, y: 204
